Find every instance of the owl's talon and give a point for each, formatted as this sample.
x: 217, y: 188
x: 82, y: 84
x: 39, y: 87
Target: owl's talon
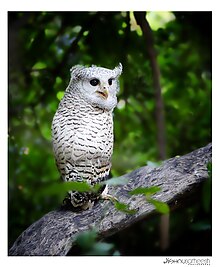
x: 106, y: 196
x: 109, y: 197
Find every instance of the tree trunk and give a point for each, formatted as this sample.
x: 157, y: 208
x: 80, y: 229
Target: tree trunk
x: 159, y: 111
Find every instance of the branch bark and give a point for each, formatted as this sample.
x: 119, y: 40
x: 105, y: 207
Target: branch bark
x: 56, y: 232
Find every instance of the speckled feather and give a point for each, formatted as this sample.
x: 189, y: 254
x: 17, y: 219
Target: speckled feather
x: 82, y: 131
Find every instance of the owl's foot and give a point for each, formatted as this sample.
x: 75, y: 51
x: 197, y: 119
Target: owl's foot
x: 106, y: 196
x: 87, y: 205
x: 109, y: 197
x: 69, y: 204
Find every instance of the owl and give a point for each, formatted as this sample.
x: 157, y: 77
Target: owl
x: 82, y: 130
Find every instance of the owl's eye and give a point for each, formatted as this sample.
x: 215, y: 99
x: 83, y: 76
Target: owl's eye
x: 110, y: 81
x: 94, y: 82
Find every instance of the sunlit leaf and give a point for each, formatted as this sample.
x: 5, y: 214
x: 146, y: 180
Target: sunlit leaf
x: 50, y: 32
x: 60, y: 95
x: 61, y: 188
x: 145, y: 190
x: 159, y: 19
x: 159, y: 205
x: 77, y: 186
x: 124, y: 208
x: 96, y: 187
x: 39, y: 65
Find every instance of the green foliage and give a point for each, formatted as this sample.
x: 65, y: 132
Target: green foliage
x: 87, y: 241
x: 145, y: 190
x: 201, y: 226
x: 159, y: 205
x: 43, y: 46
x: 124, y: 208
x: 59, y: 190
x: 148, y: 192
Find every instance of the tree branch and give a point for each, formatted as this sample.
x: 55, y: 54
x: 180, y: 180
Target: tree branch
x: 56, y: 232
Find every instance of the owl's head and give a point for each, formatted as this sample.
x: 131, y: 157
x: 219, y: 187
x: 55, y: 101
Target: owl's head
x: 96, y: 85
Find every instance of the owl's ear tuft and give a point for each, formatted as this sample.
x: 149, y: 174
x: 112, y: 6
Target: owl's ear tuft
x: 76, y: 71
x: 118, y: 70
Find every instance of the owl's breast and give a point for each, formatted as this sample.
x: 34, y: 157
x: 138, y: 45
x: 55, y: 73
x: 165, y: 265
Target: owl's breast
x: 92, y: 139
x: 83, y: 137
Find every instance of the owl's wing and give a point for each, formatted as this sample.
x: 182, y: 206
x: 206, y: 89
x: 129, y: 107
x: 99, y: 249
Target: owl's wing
x: 62, y: 150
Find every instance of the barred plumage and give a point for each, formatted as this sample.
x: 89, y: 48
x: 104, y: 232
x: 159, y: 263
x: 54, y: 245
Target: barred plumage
x: 82, y: 129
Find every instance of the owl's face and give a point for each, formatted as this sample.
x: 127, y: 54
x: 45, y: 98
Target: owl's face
x: 96, y: 85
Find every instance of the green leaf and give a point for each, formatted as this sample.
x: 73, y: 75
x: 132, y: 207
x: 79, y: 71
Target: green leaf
x: 39, y: 65
x: 60, y: 95
x: 45, y: 130
x: 159, y: 205
x: 95, y: 188
x: 87, y: 239
x: 50, y: 32
x: 77, y: 186
x: 116, y: 253
x: 145, y: 190
x: 100, y: 248
x: 124, y: 207
x: 62, y: 188
x: 201, y: 226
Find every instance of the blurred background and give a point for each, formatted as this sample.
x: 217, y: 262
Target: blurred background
x: 164, y: 110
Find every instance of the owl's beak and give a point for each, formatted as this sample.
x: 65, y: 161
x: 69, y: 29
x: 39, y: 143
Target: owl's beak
x: 103, y: 93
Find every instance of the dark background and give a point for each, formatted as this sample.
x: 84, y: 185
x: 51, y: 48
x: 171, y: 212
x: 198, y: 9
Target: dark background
x: 43, y: 46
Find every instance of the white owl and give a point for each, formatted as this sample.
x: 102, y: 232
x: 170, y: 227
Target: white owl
x: 82, y: 130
